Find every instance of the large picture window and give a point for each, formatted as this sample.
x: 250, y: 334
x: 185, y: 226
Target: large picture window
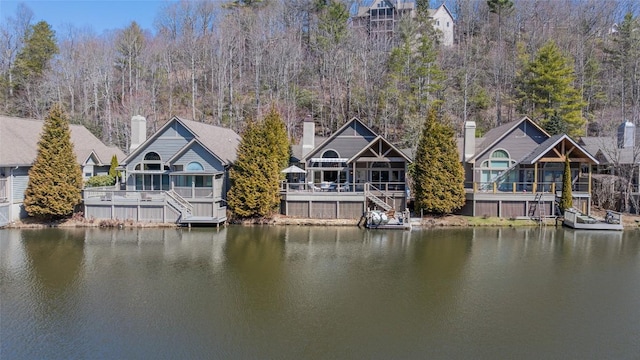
x: 498, y: 162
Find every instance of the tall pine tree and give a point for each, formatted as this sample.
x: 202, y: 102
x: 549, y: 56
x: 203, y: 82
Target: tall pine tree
x: 255, y: 177
x: 547, y: 89
x: 438, y: 176
x: 55, y: 179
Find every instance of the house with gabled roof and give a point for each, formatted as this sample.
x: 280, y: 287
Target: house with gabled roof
x: 516, y: 170
x: 353, y: 170
x: 380, y: 18
x: 18, y: 150
x: 619, y: 157
x: 179, y: 174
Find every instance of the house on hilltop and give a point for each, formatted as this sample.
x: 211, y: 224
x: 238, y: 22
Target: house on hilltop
x: 443, y: 22
x: 18, y: 149
x: 177, y: 175
x: 380, y: 18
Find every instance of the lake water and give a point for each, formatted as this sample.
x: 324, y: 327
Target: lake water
x: 319, y: 293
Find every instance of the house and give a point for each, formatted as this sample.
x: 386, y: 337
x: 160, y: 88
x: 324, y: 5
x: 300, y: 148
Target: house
x: 177, y: 175
x: 18, y: 149
x: 380, y: 18
x: 351, y: 171
x: 619, y: 159
x: 443, y: 22
x: 516, y: 170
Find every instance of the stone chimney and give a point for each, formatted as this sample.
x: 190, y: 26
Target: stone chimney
x: 308, y: 136
x: 626, y: 135
x: 469, y: 139
x: 138, y: 131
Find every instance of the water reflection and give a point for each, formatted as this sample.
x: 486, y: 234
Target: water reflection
x: 315, y: 292
x: 55, y: 264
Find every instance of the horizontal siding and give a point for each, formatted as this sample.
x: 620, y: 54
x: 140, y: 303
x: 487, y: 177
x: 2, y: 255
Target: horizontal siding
x: 199, y: 154
x: 165, y: 147
x: 20, y: 182
x: 516, y: 143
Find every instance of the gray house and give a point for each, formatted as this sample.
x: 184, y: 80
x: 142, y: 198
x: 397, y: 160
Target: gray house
x: 353, y: 170
x: 516, y: 170
x: 18, y: 149
x: 178, y: 175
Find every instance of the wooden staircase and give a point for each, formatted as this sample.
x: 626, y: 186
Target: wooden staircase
x: 372, y: 193
x: 179, y: 203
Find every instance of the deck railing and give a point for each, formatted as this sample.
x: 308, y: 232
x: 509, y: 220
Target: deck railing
x: 331, y: 187
x: 522, y: 187
x: 189, y: 192
x: 4, y: 191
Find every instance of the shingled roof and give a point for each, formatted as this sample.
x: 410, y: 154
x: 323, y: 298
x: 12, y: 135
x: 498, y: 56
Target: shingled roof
x: 19, y: 143
x: 223, y: 142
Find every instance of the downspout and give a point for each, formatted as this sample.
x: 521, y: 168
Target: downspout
x: 11, y: 192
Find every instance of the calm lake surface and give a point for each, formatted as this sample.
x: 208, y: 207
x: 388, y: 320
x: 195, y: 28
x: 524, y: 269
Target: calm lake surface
x: 319, y: 293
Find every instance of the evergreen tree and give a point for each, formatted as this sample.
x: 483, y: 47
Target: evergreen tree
x: 414, y: 82
x: 547, y: 89
x: 39, y: 48
x: 438, y: 176
x: 55, y: 179
x: 112, y: 168
x: 255, y: 177
x: 332, y: 23
x: 566, y: 201
x: 276, y: 136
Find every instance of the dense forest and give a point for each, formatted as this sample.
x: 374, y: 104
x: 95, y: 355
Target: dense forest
x: 572, y: 65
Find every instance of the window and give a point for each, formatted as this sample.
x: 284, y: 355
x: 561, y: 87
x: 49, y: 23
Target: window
x: 447, y: 24
x: 152, y: 161
x: 195, y: 166
x: 498, y: 162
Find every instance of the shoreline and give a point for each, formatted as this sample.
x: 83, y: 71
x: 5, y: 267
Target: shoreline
x: 630, y: 222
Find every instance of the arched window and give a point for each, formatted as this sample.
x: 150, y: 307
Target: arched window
x: 152, y: 161
x: 152, y: 156
x: 195, y: 166
x: 498, y: 162
x: 330, y: 154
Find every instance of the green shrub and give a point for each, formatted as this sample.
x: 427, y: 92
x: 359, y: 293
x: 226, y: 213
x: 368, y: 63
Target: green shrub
x: 101, y: 180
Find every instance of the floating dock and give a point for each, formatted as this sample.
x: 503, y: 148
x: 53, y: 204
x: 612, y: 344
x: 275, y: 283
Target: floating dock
x: 577, y: 220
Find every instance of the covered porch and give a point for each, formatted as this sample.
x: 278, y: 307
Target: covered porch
x: 538, y: 177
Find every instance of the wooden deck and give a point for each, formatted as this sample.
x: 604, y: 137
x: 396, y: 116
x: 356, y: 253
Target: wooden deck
x: 577, y: 220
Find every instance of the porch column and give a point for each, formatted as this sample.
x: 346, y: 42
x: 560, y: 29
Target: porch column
x: 589, y: 184
x: 535, y: 178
